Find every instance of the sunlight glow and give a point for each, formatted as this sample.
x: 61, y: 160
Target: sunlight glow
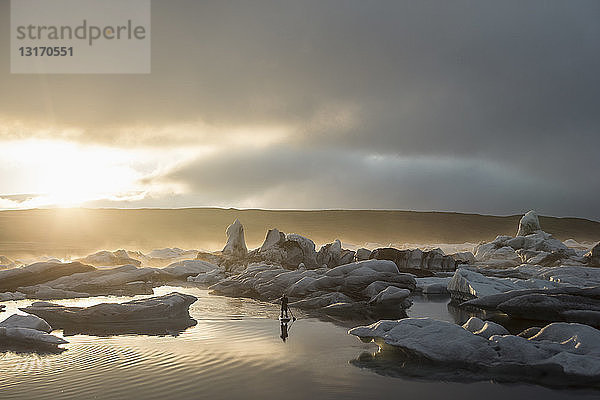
x: 67, y: 174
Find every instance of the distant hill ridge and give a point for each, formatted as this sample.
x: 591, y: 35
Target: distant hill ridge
x: 54, y: 231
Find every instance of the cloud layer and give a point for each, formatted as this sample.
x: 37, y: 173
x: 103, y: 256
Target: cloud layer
x: 465, y: 105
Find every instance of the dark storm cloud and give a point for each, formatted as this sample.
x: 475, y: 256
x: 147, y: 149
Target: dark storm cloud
x: 284, y: 177
x: 510, y: 84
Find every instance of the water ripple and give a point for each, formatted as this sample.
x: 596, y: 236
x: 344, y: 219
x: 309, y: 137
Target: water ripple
x: 233, y: 337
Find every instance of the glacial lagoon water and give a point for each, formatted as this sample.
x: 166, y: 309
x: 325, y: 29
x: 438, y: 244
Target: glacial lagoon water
x: 235, y: 352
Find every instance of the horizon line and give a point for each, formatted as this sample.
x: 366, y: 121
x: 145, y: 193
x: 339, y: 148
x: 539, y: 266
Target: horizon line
x: 291, y: 210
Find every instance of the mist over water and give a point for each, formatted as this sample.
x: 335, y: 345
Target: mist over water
x: 70, y: 233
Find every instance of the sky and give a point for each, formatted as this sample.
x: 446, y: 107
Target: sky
x: 469, y: 106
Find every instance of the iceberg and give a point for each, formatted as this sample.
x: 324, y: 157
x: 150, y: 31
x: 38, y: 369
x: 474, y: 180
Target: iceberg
x: 559, y: 352
x: 170, y: 307
x: 30, y: 331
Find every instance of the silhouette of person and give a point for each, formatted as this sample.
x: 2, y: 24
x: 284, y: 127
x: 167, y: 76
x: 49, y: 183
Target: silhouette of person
x: 284, y: 305
x: 284, y: 331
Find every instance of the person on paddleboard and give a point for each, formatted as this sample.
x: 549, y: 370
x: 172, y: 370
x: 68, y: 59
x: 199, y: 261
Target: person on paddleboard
x: 284, y: 305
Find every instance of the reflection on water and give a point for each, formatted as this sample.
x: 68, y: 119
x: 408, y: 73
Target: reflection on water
x: 171, y: 328
x: 396, y: 364
x: 440, y: 307
x: 513, y: 325
x: 235, y: 351
x: 431, y: 306
x: 399, y: 365
x: 18, y: 348
x: 284, y: 331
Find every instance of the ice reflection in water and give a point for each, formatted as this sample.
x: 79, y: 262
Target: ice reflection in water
x: 234, y: 352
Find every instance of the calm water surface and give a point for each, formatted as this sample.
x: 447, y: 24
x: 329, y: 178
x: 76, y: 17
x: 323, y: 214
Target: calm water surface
x: 234, y: 352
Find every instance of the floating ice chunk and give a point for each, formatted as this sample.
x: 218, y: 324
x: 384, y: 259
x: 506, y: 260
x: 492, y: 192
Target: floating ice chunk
x: 391, y: 296
x: 26, y: 321
x: 362, y: 254
x: 309, y: 255
x: 7, y: 296
x: 207, y: 278
x: 593, y: 256
x: 467, y: 284
x: 172, y: 252
x: 44, y: 292
x: 485, y: 329
x: 33, y: 274
x: 433, y: 285
x: 173, y: 306
x: 183, y: 269
x: 236, y: 244
x: 28, y: 330
x: 529, y: 224
x: 438, y: 341
x: 563, y: 349
x: 30, y: 336
x: 320, y: 299
x: 106, y: 258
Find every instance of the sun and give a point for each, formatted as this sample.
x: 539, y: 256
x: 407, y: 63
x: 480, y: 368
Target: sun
x: 66, y: 174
